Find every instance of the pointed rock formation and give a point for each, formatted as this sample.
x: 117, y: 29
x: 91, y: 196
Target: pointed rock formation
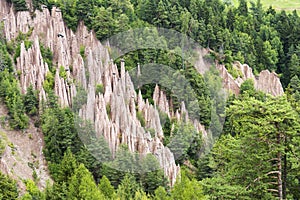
x: 114, y: 111
x: 266, y: 81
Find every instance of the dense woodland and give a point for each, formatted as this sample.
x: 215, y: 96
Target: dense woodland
x: 257, y: 154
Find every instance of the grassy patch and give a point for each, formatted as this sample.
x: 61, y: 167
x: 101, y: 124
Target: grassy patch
x: 3, y: 142
x: 288, y: 5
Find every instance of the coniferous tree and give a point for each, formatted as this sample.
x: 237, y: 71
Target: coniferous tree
x: 31, y: 101
x: 83, y: 186
x: 8, y: 188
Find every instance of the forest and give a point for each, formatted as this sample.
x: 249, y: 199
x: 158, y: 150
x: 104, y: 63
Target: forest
x: 255, y: 157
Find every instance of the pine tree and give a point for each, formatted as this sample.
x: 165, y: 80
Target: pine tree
x: 67, y: 167
x: 264, y: 135
x: 8, y: 188
x: 185, y: 188
x: 128, y: 187
x: 106, y: 188
x: 82, y: 186
x: 294, y: 65
x: 31, y: 101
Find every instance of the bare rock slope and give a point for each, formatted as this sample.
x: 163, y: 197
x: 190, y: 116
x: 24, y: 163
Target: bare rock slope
x: 23, y: 156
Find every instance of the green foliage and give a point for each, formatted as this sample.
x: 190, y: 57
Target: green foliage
x: 48, y: 84
x: 3, y: 141
x: 17, y: 53
x: 185, y: 142
x: 128, y: 187
x: 82, y: 51
x: 235, y: 73
x: 146, y: 170
x: 10, y: 92
x: 8, y: 188
x: 108, y: 110
x: 27, y: 44
x: 32, y: 191
x: 106, y: 188
x: 80, y: 99
x: 66, y: 168
x: 95, y: 153
x: 140, y: 117
x: 247, y: 89
x: 62, y: 72
x: 237, y: 166
x: 38, y: 3
x: 100, y: 89
x: 47, y: 57
x: 161, y: 194
x: 68, y: 9
x: 248, y: 86
x: 59, y: 133
x: 83, y: 186
x: 201, y: 92
x: 19, y: 5
x: 187, y: 189
x: 262, y: 134
x: 31, y: 102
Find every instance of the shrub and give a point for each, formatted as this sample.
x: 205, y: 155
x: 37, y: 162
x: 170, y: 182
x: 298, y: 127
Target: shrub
x: 17, y: 53
x: 48, y: 84
x: 82, y: 51
x: 27, y: 44
x: 100, y: 89
x: 62, y: 72
x: 108, y: 110
x: 141, y: 118
x: 20, y: 5
x: 47, y: 56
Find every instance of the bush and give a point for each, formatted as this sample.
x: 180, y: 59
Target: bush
x: 17, y: 53
x: 8, y: 188
x: 62, y: 72
x: 27, y: 44
x: 100, y: 89
x: 47, y: 56
x: 79, y: 100
x: 31, y: 101
x: 3, y: 140
x: 48, y: 84
x: 82, y: 51
x: 20, y: 5
x: 108, y: 110
x: 141, y: 118
x: 235, y: 73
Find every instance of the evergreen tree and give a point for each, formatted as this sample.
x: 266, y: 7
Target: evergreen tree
x: 127, y: 188
x: 8, y: 188
x: 185, y: 188
x: 83, y: 186
x: 66, y: 167
x: 264, y: 133
x: 31, y: 101
x: 33, y: 192
x: 106, y: 188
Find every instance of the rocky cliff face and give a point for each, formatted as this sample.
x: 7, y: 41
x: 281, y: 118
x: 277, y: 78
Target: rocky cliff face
x: 266, y: 81
x: 121, y: 125
x: 165, y: 105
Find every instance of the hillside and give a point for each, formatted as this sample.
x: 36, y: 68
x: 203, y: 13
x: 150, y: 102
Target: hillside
x: 148, y: 100
x: 23, y: 156
x: 288, y: 6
